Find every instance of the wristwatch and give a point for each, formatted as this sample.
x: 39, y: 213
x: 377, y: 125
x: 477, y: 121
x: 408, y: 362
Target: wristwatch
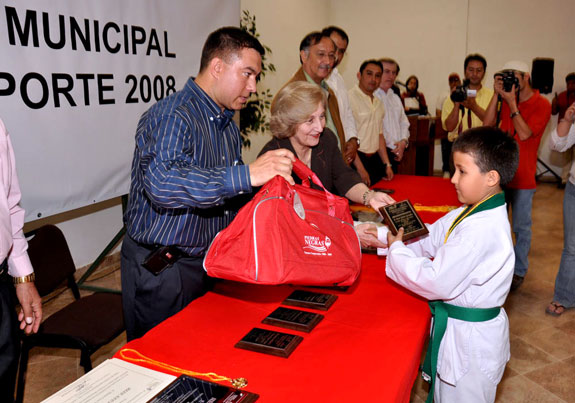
x: 356, y: 139
x: 24, y: 279
x: 516, y: 113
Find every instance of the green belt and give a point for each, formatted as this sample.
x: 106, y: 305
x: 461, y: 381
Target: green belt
x: 440, y: 312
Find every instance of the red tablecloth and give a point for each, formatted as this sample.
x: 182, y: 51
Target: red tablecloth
x: 367, y: 348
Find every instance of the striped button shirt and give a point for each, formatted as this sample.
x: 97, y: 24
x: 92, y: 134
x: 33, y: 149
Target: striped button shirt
x: 187, y: 168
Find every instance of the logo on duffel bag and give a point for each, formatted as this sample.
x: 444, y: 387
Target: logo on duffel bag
x: 314, y: 245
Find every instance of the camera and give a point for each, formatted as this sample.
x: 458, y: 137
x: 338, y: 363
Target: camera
x: 508, y: 78
x: 462, y: 92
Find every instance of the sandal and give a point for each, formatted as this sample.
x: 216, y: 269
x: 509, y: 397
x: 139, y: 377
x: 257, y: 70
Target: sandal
x: 555, y: 309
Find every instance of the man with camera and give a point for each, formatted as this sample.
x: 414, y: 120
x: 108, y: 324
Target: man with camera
x: 465, y: 108
x: 524, y: 114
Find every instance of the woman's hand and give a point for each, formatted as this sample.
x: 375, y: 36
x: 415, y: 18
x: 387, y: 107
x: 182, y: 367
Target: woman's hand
x: 380, y: 199
x: 367, y: 234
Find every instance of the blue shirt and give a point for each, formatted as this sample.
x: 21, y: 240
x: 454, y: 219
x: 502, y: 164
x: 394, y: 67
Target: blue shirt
x: 187, y: 168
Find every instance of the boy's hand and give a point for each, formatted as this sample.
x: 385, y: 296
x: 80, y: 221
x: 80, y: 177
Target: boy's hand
x: 394, y: 238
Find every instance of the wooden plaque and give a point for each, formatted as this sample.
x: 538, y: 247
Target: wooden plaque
x: 269, y: 342
x: 189, y: 389
x: 402, y: 214
x: 309, y: 299
x: 294, y: 319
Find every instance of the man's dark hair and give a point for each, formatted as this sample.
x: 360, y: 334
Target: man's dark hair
x: 475, y: 57
x: 570, y: 77
x: 370, y: 61
x: 491, y: 149
x: 313, y: 38
x: 227, y: 42
x: 327, y: 31
x: 390, y: 61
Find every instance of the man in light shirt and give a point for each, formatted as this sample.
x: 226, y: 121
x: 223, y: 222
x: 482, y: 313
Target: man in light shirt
x: 395, y: 122
x: 337, y: 84
x: 372, y: 161
x: 15, y: 272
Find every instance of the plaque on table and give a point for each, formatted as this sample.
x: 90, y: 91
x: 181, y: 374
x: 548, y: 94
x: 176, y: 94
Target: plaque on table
x: 294, y: 319
x: 309, y: 299
x: 187, y: 389
x: 402, y: 214
x: 269, y: 342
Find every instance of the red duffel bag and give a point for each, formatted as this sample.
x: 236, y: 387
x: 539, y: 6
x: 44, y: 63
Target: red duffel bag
x: 289, y: 235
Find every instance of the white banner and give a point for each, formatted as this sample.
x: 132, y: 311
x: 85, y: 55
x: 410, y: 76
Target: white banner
x: 75, y: 76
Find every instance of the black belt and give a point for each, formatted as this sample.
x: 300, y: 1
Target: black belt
x: 152, y: 248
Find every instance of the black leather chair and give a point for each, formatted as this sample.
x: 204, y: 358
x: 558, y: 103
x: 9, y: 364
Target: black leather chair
x: 85, y: 324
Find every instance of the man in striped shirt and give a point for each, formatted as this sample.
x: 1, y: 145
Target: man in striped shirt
x: 187, y: 176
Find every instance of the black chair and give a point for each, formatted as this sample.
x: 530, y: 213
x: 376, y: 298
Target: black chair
x: 86, y: 324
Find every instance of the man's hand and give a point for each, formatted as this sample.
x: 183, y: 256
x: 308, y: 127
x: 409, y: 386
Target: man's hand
x: 509, y: 97
x: 367, y: 234
x: 469, y: 103
x: 388, y: 172
x: 399, y: 149
x: 364, y: 175
x: 395, y: 238
x: 30, y: 314
x: 272, y: 163
x: 350, y: 150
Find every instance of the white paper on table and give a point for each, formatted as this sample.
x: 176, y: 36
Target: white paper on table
x: 114, y: 381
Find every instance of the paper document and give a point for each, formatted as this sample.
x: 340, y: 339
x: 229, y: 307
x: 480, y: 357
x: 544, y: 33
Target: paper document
x: 114, y: 381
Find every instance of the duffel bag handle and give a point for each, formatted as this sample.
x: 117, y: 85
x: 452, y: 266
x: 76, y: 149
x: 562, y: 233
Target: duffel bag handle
x: 305, y: 174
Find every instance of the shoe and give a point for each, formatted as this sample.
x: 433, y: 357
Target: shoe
x: 555, y: 309
x: 446, y: 175
x: 516, y: 282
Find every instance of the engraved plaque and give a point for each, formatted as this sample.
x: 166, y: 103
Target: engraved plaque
x: 269, y: 342
x: 189, y: 389
x: 308, y: 299
x: 293, y: 319
x: 402, y: 214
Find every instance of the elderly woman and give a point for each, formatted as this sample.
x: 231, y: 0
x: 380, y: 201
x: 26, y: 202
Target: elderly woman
x: 298, y: 124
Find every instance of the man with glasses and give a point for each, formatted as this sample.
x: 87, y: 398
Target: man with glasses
x: 317, y: 56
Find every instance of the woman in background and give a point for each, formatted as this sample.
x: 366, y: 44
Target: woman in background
x: 413, y: 100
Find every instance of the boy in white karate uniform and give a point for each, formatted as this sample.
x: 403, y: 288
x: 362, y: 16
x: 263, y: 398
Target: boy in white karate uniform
x: 464, y: 267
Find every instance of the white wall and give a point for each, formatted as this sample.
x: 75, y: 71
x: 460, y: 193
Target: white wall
x: 427, y: 38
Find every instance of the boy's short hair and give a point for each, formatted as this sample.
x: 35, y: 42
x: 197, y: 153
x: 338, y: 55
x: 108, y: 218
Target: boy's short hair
x: 492, y: 149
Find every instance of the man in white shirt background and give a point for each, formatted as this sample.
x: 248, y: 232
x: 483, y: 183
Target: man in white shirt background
x: 337, y: 85
x: 395, y: 122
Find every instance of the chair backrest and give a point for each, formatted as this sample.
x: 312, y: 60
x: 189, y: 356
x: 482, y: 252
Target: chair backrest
x: 51, y: 258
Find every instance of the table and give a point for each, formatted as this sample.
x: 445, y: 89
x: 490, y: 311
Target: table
x: 367, y: 348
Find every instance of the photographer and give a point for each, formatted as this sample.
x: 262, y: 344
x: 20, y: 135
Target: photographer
x: 466, y: 106
x: 523, y: 115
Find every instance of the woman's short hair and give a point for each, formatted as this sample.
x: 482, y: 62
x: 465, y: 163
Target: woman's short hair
x: 293, y: 105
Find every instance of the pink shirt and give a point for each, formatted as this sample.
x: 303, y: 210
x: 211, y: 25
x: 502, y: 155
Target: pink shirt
x: 13, y: 244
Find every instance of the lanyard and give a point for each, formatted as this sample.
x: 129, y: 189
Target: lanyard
x: 491, y: 202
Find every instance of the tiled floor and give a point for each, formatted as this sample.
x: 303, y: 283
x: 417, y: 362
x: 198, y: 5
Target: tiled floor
x: 542, y: 365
